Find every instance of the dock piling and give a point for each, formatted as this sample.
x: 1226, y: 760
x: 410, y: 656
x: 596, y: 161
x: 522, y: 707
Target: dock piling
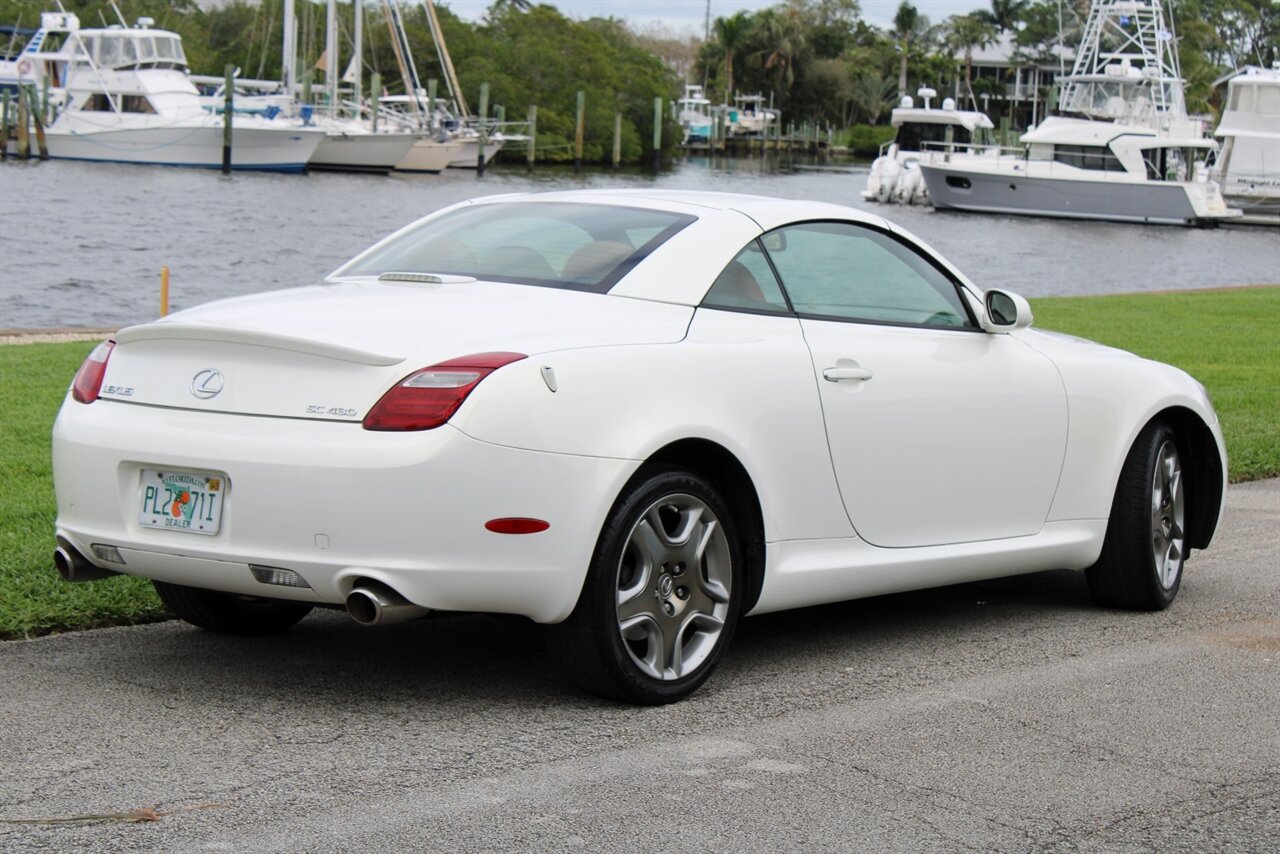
x: 4, y: 127
x: 164, y: 291
x: 228, y: 105
x: 533, y: 135
x: 617, y: 141
x: 484, y: 128
x: 24, y: 132
x: 579, y: 132
x: 657, y: 133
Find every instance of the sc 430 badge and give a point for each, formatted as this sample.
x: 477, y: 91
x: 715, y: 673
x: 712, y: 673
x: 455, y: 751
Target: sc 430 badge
x: 333, y: 411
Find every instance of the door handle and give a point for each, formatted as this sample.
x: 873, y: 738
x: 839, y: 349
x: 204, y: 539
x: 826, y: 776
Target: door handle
x: 836, y: 375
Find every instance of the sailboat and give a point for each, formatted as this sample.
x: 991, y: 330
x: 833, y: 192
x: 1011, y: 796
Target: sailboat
x: 449, y: 122
x: 1121, y: 148
x: 351, y: 143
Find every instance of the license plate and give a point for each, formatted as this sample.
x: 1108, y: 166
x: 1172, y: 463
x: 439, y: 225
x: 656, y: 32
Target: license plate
x: 189, y: 501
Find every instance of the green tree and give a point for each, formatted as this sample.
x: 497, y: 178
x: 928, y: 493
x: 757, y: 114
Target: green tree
x: 732, y: 33
x: 910, y: 30
x: 964, y: 34
x: 873, y: 95
x: 1005, y: 15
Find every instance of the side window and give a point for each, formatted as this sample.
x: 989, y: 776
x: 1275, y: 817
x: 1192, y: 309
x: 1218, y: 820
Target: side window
x: 849, y: 272
x: 748, y: 283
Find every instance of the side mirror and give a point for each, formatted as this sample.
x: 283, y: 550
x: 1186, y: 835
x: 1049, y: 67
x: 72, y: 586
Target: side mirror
x: 1005, y: 312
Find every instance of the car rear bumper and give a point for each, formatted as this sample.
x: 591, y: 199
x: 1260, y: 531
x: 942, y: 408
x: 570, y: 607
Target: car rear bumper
x: 336, y: 504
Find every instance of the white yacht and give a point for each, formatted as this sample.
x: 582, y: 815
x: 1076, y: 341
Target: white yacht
x: 1122, y: 148
x: 895, y: 173
x: 749, y: 117
x: 693, y: 116
x: 1247, y: 167
x: 123, y: 95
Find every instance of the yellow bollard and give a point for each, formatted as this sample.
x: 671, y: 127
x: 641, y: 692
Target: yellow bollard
x: 164, y: 291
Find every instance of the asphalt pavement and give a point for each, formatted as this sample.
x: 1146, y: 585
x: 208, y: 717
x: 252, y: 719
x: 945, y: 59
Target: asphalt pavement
x: 1011, y: 715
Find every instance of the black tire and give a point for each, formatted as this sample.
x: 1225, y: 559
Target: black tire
x: 230, y: 613
x: 616, y: 649
x: 1148, y: 519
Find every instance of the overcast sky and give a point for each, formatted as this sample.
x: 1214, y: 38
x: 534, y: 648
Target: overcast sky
x: 690, y: 14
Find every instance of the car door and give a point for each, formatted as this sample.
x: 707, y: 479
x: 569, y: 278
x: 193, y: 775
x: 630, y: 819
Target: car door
x: 938, y: 431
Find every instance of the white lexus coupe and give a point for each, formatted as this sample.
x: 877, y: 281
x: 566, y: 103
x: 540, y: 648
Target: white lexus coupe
x: 635, y: 416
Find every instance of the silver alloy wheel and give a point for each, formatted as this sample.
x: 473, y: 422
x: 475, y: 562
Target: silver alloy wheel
x: 673, y: 583
x: 1168, y: 515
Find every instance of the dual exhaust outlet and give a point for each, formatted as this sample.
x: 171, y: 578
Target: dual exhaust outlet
x: 370, y: 603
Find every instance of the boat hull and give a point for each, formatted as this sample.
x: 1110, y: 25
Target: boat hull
x: 348, y: 152
x: 1167, y: 203
x: 190, y: 146
x: 468, y: 154
x: 427, y: 155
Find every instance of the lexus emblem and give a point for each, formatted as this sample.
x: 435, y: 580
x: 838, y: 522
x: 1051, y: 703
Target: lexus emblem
x: 208, y: 383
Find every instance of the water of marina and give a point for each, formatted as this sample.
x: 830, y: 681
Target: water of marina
x: 82, y: 244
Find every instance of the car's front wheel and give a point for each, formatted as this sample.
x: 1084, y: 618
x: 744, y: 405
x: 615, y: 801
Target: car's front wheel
x: 1146, y: 544
x: 662, y: 595
x: 229, y: 613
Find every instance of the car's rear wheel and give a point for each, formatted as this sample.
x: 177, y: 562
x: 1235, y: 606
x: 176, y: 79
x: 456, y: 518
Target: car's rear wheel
x: 1146, y: 545
x: 229, y: 613
x: 662, y: 596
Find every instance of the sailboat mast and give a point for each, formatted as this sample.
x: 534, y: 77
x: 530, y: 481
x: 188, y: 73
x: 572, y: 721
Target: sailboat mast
x: 331, y: 54
x: 442, y: 51
x: 396, y: 28
x: 357, y: 61
x: 289, y: 50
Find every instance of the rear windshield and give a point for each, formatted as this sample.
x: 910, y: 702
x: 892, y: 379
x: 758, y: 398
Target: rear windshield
x: 576, y: 246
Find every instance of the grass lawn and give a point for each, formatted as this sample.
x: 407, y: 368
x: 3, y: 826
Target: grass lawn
x: 1229, y: 340
x: 33, y: 599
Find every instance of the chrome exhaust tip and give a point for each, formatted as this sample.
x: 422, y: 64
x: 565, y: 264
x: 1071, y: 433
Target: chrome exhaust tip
x: 372, y: 603
x: 75, y: 567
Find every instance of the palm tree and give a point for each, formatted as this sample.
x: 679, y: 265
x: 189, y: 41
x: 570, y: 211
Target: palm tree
x: 871, y: 95
x: 784, y: 37
x: 909, y: 29
x: 1005, y: 15
x: 965, y: 33
x: 732, y: 33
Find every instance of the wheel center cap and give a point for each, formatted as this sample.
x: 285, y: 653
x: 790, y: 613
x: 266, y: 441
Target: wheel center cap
x: 666, y: 586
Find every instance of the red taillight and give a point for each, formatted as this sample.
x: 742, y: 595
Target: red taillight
x: 427, y: 398
x: 88, y: 379
x: 516, y: 525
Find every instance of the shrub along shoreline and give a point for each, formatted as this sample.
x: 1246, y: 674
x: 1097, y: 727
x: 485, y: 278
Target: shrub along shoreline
x: 1225, y: 338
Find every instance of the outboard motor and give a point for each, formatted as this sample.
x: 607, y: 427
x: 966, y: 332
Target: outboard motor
x: 889, y: 175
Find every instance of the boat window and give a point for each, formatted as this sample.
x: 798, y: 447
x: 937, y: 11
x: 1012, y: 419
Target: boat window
x: 913, y: 136
x: 128, y: 52
x: 748, y: 283
x: 574, y: 246
x: 146, y: 50
x: 1095, y: 157
x: 843, y: 271
x: 109, y: 51
x: 98, y: 102
x: 169, y: 48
